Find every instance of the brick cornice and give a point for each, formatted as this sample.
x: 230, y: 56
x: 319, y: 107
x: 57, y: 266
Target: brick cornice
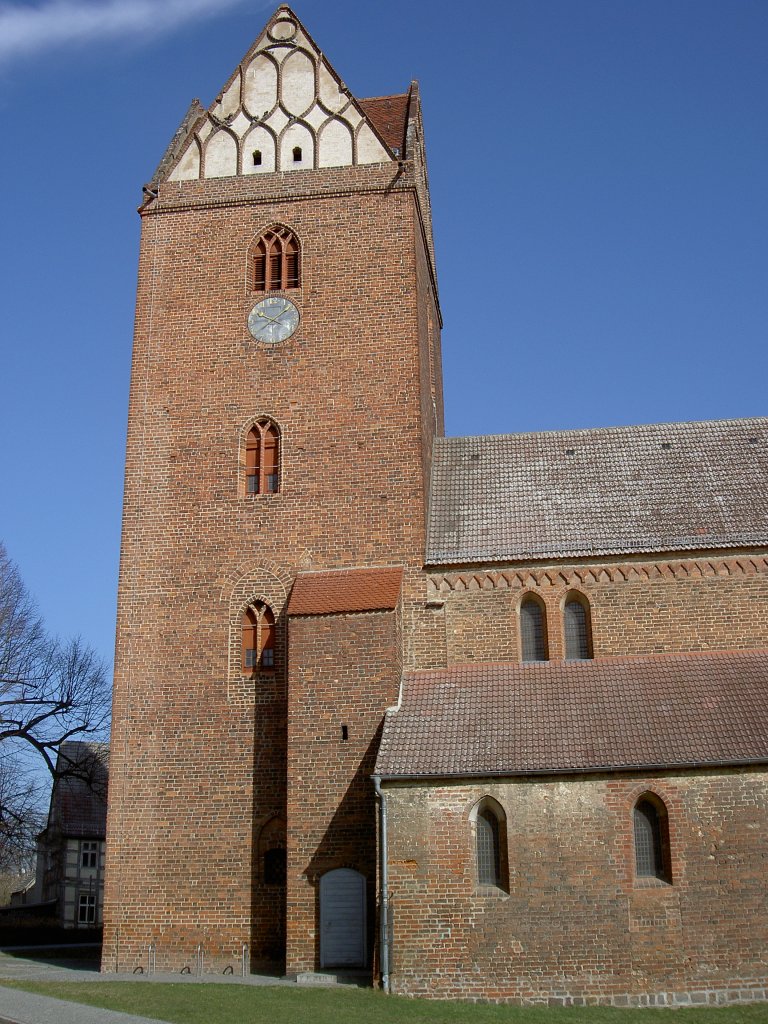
x: 251, y: 190
x: 593, y: 575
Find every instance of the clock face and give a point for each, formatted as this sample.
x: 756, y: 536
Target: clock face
x: 273, y: 319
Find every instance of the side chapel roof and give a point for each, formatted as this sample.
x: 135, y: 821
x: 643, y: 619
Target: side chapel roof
x: 670, y: 710
x: 618, y: 490
x: 345, y: 590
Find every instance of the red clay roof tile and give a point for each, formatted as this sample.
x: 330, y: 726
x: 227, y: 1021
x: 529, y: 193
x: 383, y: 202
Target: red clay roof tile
x: 345, y: 590
x: 388, y: 115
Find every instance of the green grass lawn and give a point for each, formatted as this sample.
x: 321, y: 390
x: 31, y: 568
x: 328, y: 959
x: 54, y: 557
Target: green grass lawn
x: 245, y: 1004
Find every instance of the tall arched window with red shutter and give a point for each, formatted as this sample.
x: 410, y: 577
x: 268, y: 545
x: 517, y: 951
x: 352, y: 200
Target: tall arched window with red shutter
x: 262, y: 458
x: 276, y: 261
x: 258, y: 639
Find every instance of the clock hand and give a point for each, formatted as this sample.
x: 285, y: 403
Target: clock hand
x: 271, y: 318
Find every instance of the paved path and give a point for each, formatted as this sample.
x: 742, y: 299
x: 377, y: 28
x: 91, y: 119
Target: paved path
x: 17, y: 1007
x: 25, y: 1008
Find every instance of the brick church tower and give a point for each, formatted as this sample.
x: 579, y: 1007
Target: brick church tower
x: 285, y: 396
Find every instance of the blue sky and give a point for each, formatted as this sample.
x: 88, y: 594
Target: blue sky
x: 598, y: 173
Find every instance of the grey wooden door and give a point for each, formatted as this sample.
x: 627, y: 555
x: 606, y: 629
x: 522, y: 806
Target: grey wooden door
x: 342, y: 919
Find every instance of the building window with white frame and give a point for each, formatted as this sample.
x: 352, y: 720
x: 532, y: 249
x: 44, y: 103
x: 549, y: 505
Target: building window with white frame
x: 89, y: 854
x: 86, y: 909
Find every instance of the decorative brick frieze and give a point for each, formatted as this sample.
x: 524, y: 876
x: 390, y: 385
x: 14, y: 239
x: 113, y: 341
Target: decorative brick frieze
x: 589, y: 575
x: 639, y: 607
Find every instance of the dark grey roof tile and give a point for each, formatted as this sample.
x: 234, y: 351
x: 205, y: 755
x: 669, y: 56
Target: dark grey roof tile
x: 611, y: 713
x: 618, y: 490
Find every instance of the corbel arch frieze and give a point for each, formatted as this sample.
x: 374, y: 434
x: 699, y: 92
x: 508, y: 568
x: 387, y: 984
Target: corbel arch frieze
x: 590, y: 576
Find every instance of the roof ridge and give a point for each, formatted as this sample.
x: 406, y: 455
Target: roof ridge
x: 386, y: 96
x: 611, y: 429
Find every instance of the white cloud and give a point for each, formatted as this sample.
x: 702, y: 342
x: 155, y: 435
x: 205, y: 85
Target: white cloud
x: 28, y: 30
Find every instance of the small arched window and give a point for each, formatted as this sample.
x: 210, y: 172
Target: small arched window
x: 275, y: 261
x: 258, y: 638
x: 488, y: 853
x: 533, y: 629
x: 490, y: 844
x: 577, y: 627
x: 262, y: 458
x: 651, y: 827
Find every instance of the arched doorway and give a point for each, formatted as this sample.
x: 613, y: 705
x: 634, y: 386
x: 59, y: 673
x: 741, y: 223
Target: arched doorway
x: 342, y: 919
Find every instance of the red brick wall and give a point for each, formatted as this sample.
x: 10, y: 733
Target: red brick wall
x: 198, y: 751
x: 576, y: 924
x: 344, y: 670
x: 642, y: 607
x: 430, y: 365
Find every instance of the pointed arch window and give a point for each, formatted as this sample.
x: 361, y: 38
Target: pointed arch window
x: 490, y: 844
x: 577, y: 627
x: 488, y: 853
x: 258, y: 638
x: 262, y: 458
x: 276, y: 261
x: 272, y: 852
x: 533, y: 629
x: 651, y: 828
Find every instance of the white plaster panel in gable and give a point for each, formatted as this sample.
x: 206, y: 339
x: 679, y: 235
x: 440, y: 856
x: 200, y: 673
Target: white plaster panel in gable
x: 329, y: 91
x: 204, y: 130
x: 301, y: 40
x: 352, y: 115
x: 278, y: 121
x: 258, y: 138
x: 334, y: 145
x: 369, y: 149
x: 260, y: 87
x: 298, y: 83
x: 188, y: 168
x: 280, y: 52
x: 240, y: 125
x: 230, y: 101
x: 316, y: 117
x: 297, y: 135
x: 221, y: 156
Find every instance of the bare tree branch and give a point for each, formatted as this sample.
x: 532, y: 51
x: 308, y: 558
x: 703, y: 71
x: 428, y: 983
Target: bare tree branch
x: 51, y: 691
